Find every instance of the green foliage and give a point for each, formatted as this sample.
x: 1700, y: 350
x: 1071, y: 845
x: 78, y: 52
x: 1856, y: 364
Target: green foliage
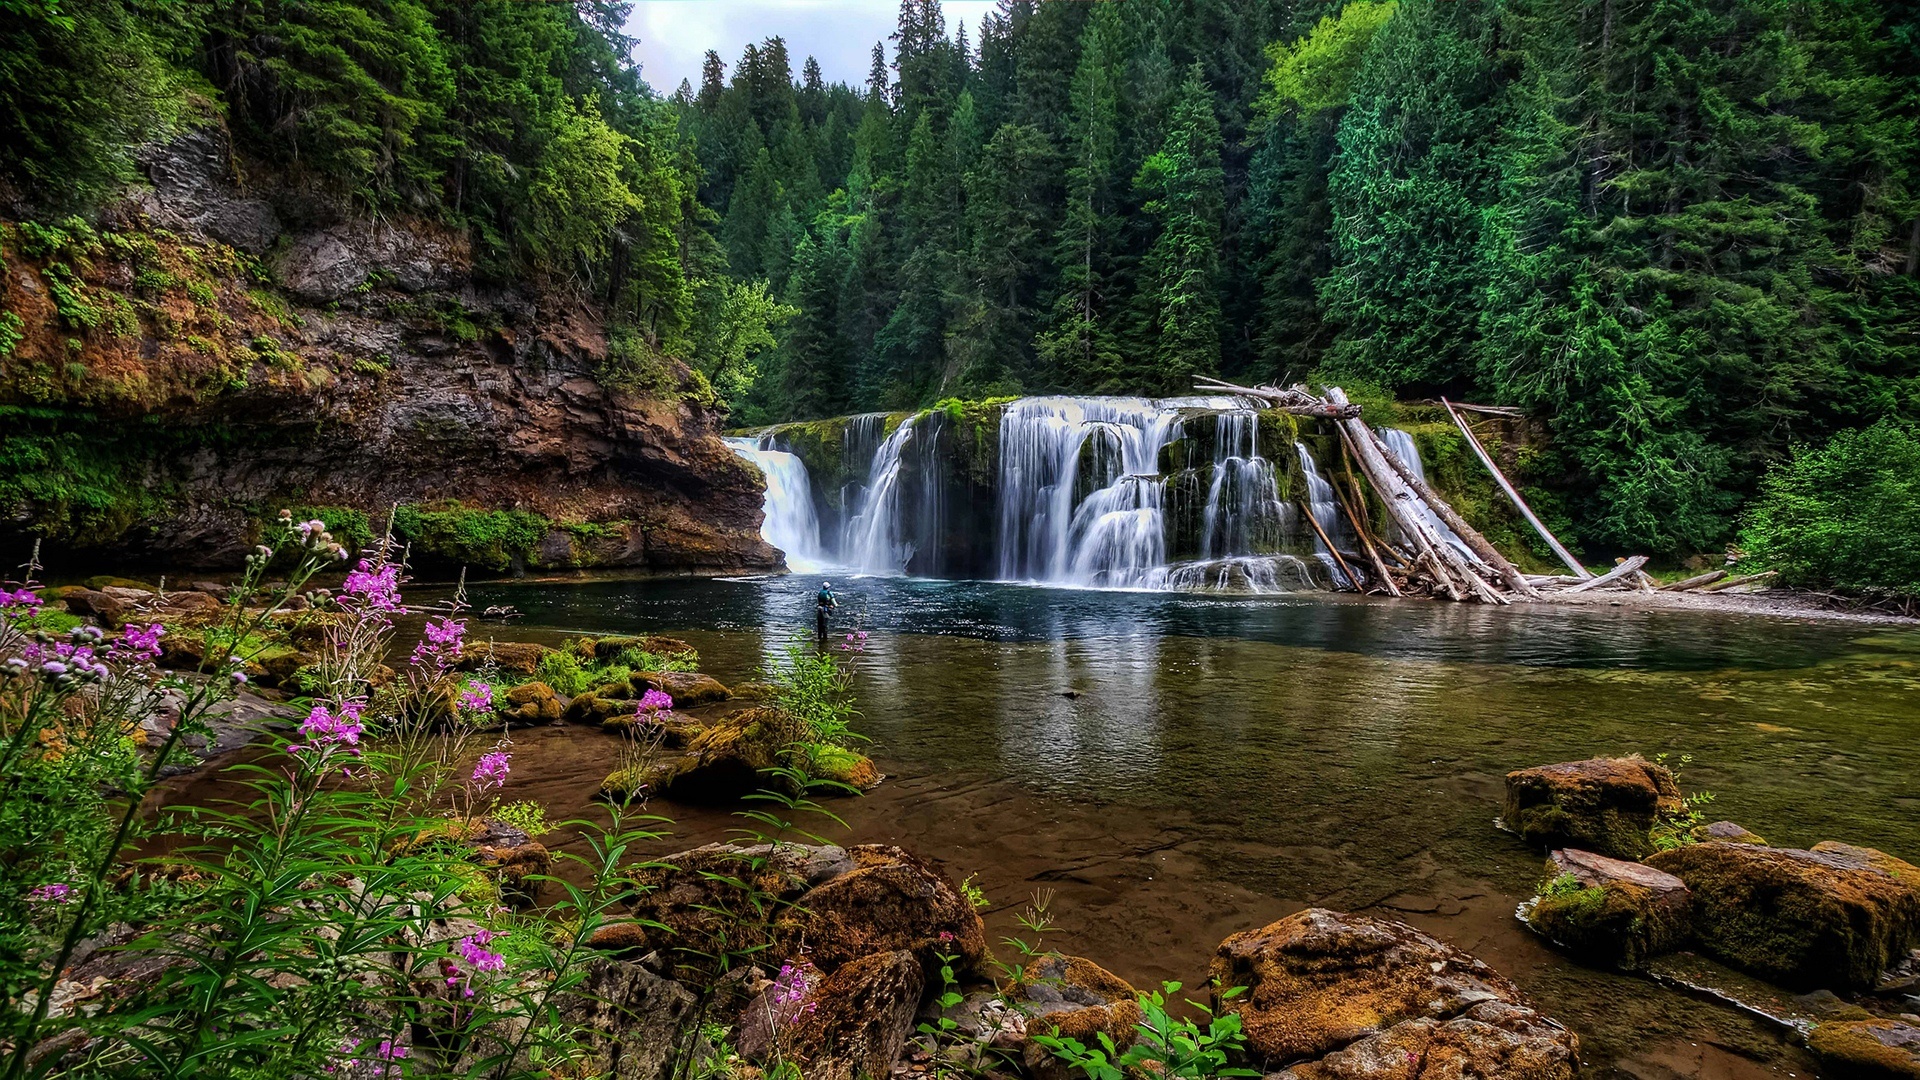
x: 1844, y: 515
x: 1166, y: 1046
x: 488, y: 539
x: 526, y: 815
x: 563, y: 671
x: 1675, y: 828
x: 1314, y: 74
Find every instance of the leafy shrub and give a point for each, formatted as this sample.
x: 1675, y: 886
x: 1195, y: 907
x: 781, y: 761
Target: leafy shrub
x: 1846, y: 515
x: 526, y: 815
x: 562, y: 671
x: 490, y: 539
x: 1167, y: 1047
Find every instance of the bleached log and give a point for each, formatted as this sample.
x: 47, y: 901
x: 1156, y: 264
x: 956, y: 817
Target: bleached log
x: 1513, y: 494
x: 1695, y: 582
x: 1360, y: 443
x: 1624, y: 570
x: 1486, y: 552
x: 1292, y: 400
x: 1735, y: 582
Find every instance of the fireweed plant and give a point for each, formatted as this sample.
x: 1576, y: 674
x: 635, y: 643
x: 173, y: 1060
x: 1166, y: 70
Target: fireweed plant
x: 307, y: 929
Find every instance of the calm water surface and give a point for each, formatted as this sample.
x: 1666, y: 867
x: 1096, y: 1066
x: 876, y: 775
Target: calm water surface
x: 1179, y: 767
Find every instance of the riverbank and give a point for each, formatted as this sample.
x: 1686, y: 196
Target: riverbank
x: 1768, y: 603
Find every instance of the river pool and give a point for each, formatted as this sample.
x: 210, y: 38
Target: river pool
x: 1177, y: 767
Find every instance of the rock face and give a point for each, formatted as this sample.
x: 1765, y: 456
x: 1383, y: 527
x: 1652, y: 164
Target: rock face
x: 852, y: 1024
x: 1605, y: 805
x: 376, y: 369
x: 1617, y: 912
x: 1833, y: 917
x: 1868, y: 1049
x: 1074, y: 998
x: 628, y: 1018
x: 1492, y: 1040
x: 1320, y: 980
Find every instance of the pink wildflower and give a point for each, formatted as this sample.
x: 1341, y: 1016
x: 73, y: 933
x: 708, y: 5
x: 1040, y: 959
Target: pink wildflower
x: 655, y: 701
x: 139, y: 643
x: 323, y: 728
x: 58, y: 892
x: 478, y: 699
x: 473, y: 949
x: 373, y: 588
x: 390, y: 1050
x: 491, y: 770
x: 21, y: 601
x: 440, y: 645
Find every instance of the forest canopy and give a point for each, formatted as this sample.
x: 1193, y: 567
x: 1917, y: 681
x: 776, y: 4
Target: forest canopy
x: 1684, y: 234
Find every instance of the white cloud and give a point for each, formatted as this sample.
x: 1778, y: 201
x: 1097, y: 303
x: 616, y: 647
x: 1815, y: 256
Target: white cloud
x: 676, y: 34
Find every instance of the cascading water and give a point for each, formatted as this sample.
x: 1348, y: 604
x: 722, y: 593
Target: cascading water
x: 875, y: 542
x: 1244, y: 511
x: 1325, y: 509
x: 1404, y: 448
x: 1051, y: 449
x: 789, y: 523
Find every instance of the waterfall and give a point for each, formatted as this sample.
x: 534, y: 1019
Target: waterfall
x: 875, y: 542
x: 1052, y: 449
x: 1404, y: 448
x: 788, y: 523
x: 1244, y: 512
x: 1325, y: 510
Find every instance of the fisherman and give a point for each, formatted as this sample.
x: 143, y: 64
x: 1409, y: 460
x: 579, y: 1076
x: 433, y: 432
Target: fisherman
x: 823, y: 602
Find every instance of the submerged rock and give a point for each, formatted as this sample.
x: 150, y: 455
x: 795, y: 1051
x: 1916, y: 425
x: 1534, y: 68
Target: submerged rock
x: 1606, y: 805
x: 1615, y: 912
x: 1877, y: 1049
x: 1833, y: 917
x: 1320, y: 980
x: 1494, y: 1040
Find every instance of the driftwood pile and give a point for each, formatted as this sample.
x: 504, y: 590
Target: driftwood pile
x: 1414, y: 558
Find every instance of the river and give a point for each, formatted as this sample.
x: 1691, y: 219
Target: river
x: 1176, y: 767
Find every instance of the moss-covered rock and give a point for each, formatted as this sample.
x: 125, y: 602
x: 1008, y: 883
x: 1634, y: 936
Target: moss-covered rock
x: 1605, y: 805
x: 1611, y: 911
x: 1878, y: 1049
x: 839, y: 765
x: 1073, y: 998
x: 1835, y: 918
x: 686, y: 688
x: 850, y: 1025
x: 724, y: 763
x: 1495, y: 1040
x: 890, y: 900
x: 696, y: 903
x: 1319, y: 980
x: 517, y: 657
x: 1728, y: 831
x: 530, y: 703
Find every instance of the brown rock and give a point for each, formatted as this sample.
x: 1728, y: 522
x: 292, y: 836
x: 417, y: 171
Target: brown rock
x: 608, y: 649
x: 1826, y: 918
x: 1494, y: 1040
x: 81, y: 601
x: 1074, y: 998
x: 1607, y: 805
x: 892, y: 900
x: 1615, y: 912
x: 194, y: 602
x: 852, y: 1024
x: 696, y: 907
x: 531, y: 703
x: 629, y: 1020
x: 686, y: 688
x: 1728, y: 831
x: 1320, y: 979
x: 1878, y: 1049
x: 724, y: 762
x: 518, y: 657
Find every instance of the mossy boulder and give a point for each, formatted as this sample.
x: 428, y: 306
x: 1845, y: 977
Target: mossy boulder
x: 1728, y: 831
x: 606, y: 650
x: 667, y: 730
x: 1319, y: 980
x: 890, y: 900
x: 1493, y: 1039
x: 1877, y: 1049
x: 849, y: 1025
x: 724, y: 763
x: 691, y: 904
x: 1073, y: 998
x: 839, y: 765
x: 517, y: 657
x: 530, y: 703
x: 686, y: 688
x: 1605, y: 805
x: 1611, y: 911
x: 1832, y: 918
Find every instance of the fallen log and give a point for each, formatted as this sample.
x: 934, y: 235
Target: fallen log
x: 1360, y: 442
x: 1695, y: 582
x: 1291, y: 400
x: 1505, y: 412
x: 1624, y: 570
x: 1366, y: 542
x: 1734, y: 582
x: 1513, y: 494
x: 1352, y: 578
x: 1486, y: 552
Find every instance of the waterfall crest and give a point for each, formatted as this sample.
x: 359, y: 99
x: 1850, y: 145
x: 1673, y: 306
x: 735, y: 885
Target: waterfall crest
x: 789, y: 522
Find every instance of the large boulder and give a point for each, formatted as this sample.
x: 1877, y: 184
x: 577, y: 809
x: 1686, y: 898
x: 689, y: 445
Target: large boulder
x: 518, y: 657
x: 723, y: 763
x: 530, y: 704
x: 1607, y: 805
x: 851, y: 1024
x: 1616, y: 912
x: 1319, y: 980
x: 1494, y: 1040
x: 686, y: 688
x: 1074, y: 998
x: 723, y: 895
x: 1876, y: 1049
x: 891, y: 900
x: 1833, y: 917
x: 627, y: 1019
x: 608, y: 649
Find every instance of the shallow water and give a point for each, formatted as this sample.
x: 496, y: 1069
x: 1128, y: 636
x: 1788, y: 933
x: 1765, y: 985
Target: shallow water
x: 1180, y: 767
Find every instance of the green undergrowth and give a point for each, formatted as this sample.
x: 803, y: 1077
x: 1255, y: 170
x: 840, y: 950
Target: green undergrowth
x: 453, y: 533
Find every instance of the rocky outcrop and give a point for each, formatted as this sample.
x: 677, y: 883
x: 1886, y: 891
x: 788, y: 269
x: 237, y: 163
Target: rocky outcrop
x: 1611, y: 911
x: 1606, y: 805
x: 1491, y: 1039
x: 853, y: 1023
x: 375, y: 368
x: 628, y: 1019
x: 891, y: 900
x: 723, y: 763
x: 1834, y: 917
x: 1874, y: 1049
x: 1320, y: 981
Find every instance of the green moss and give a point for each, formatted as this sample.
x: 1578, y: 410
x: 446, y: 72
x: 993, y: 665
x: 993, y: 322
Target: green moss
x: 489, y: 539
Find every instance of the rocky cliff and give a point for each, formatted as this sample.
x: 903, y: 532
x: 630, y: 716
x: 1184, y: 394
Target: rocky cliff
x: 174, y: 373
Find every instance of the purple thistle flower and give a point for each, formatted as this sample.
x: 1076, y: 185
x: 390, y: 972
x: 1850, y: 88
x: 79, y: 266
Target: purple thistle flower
x: 58, y: 892
x: 491, y: 770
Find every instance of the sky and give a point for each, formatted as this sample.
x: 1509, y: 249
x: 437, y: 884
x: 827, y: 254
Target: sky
x: 676, y: 34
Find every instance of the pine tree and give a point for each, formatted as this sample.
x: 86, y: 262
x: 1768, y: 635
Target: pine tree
x: 1182, y: 269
